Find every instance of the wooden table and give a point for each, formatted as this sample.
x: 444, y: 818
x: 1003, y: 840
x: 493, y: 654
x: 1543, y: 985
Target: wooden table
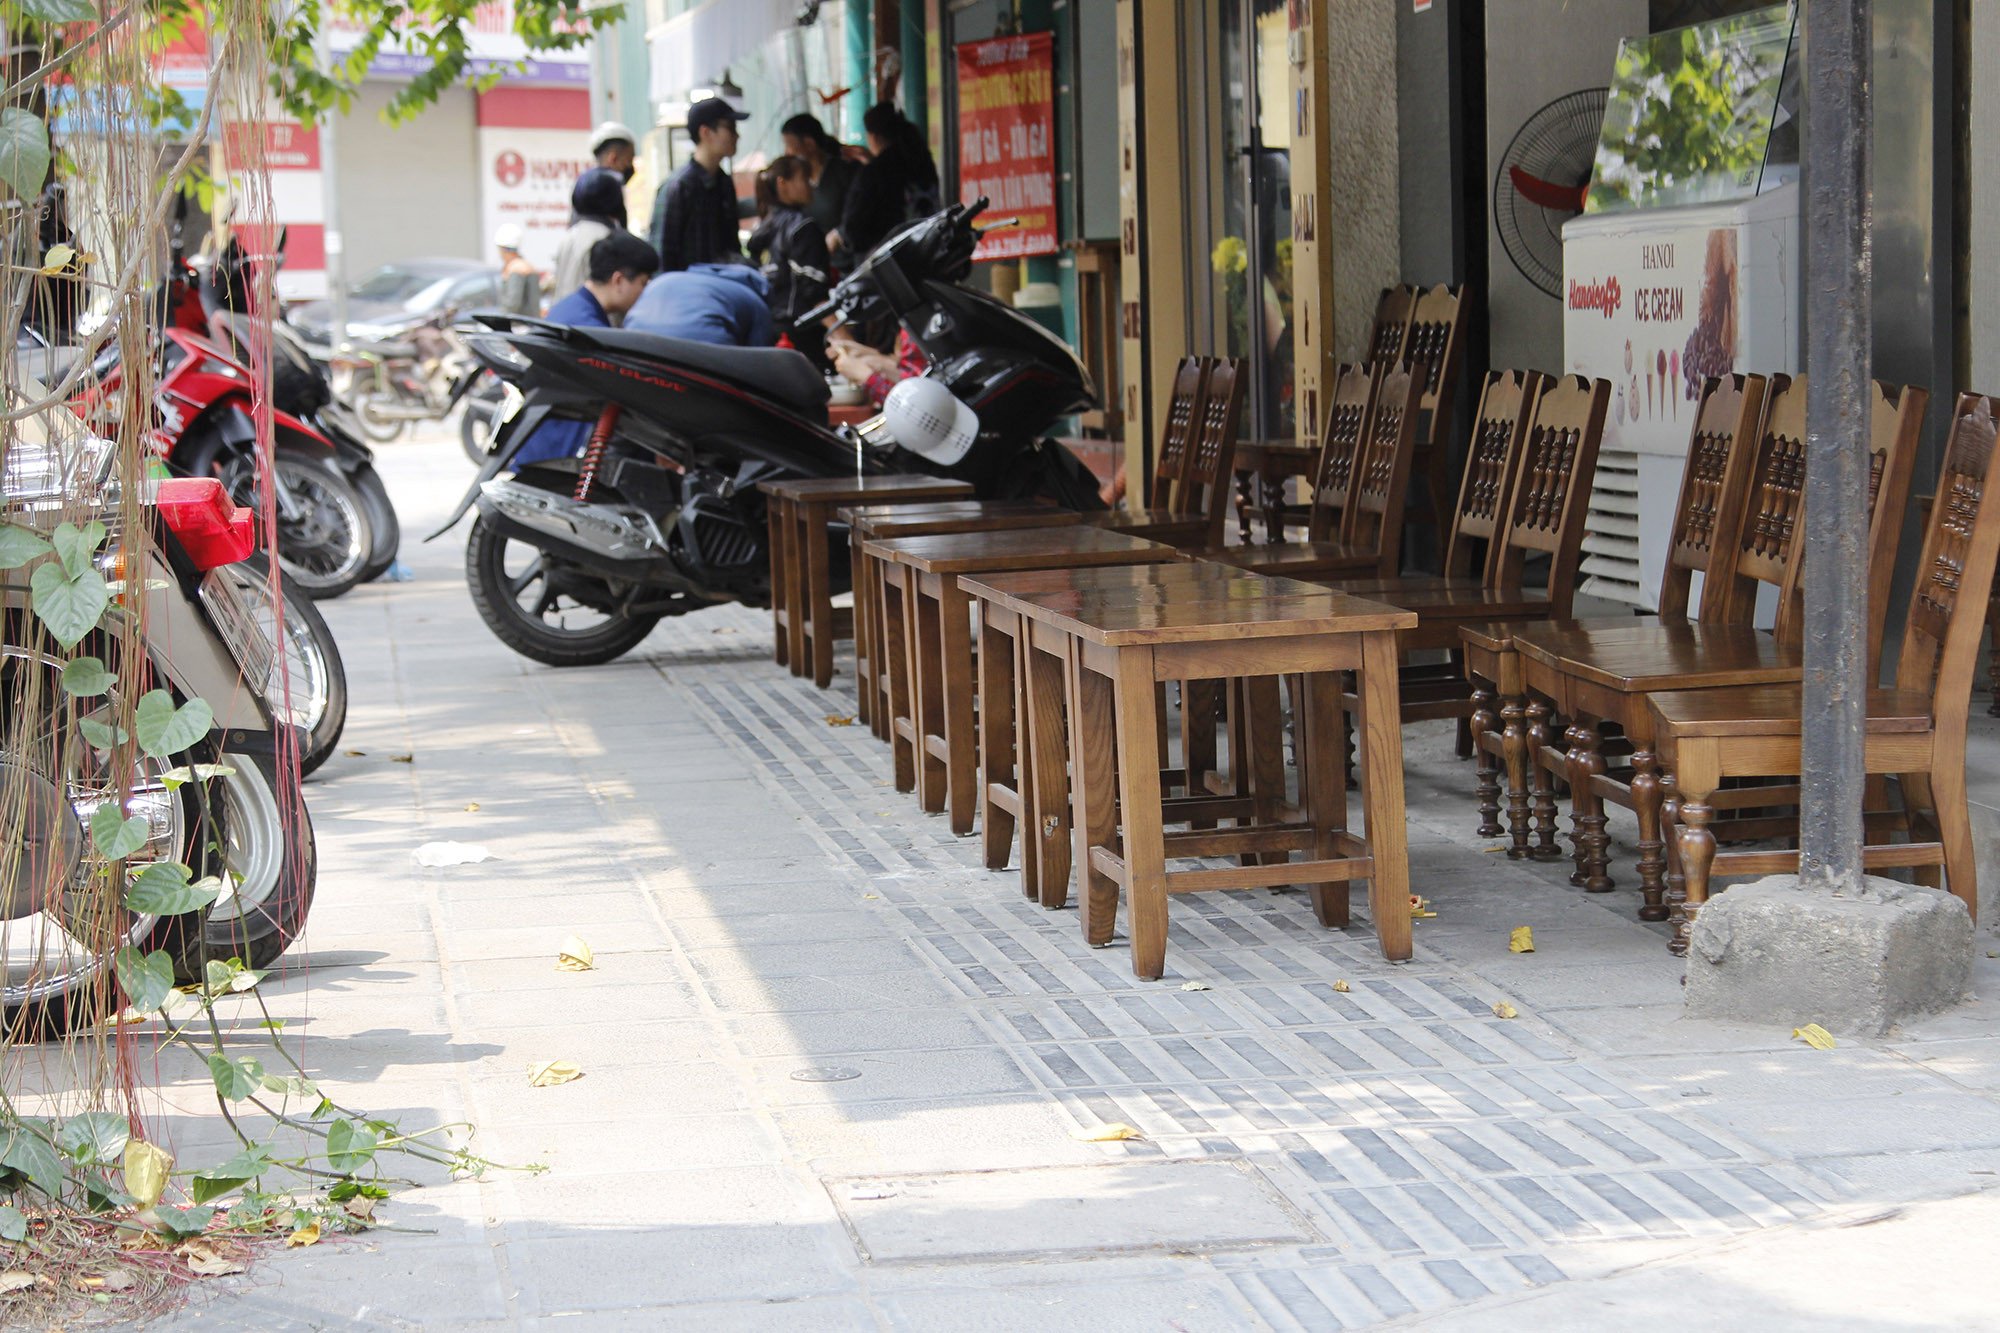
x: 928, y: 634
x: 1268, y: 464
x: 1023, y: 766
x: 1116, y: 650
x: 799, y: 511
x: 915, y: 520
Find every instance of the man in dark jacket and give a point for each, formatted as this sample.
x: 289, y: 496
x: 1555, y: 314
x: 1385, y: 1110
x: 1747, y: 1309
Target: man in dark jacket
x: 694, y: 217
x: 724, y: 304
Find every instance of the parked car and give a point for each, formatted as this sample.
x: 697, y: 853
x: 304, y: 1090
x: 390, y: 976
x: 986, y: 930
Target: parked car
x: 394, y: 299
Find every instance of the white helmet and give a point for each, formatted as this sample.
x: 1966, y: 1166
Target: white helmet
x: 508, y: 236
x: 609, y: 131
x: 925, y: 419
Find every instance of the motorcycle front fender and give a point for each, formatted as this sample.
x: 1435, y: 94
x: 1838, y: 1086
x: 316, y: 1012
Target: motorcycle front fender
x: 515, y: 433
x: 191, y: 654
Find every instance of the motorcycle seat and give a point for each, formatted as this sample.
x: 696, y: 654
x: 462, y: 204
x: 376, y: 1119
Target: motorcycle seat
x: 777, y: 372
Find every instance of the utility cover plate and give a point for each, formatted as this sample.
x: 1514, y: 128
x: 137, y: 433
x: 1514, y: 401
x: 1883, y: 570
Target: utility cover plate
x: 1065, y: 1209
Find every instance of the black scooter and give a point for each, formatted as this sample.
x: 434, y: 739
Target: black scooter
x: 572, y: 561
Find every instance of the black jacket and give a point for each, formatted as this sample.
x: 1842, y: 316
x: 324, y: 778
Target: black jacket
x: 792, y: 249
x: 891, y: 189
x: 694, y: 219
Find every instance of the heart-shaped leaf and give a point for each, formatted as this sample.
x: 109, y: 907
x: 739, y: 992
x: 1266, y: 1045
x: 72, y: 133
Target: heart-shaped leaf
x: 235, y: 1079
x: 349, y: 1147
x: 115, y: 836
x: 58, y: 11
x: 24, y: 151
x: 173, y: 779
x: 163, y: 889
x: 164, y: 729
x: 57, y: 258
x: 215, y: 1181
x: 13, y: 1226
x: 69, y: 604
x: 146, y: 1166
x: 94, y: 1136
x: 76, y: 546
x: 18, y: 546
x: 33, y: 1156
x: 146, y: 979
x: 88, y: 677
x: 180, y: 1222
x: 102, y: 734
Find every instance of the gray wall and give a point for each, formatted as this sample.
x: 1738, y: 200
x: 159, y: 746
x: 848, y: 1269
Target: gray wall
x: 1537, y: 50
x: 1427, y: 187
x: 1095, y: 85
x: 412, y: 190
x: 1367, y: 208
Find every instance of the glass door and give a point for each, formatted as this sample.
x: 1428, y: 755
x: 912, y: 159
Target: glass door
x: 1251, y: 261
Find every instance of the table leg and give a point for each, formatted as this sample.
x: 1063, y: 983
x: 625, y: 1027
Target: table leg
x: 777, y: 522
x: 1267, y: 757
x: 1048, y: 823
x: 798, y: 597
x: 1198, y: 750
x: 1381, y: 727
x: 1325, y: 786
x: 961, y: 754
x: 897, y: 636
x: 819, y: 587
x: 864, y: 642
x: 927, y: 692
x: 996, y: 737
x: 1093, y: 742
x: 1140, y: 812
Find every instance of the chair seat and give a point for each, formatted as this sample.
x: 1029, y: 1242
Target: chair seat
x: 1773, y: 710
x: 1499, y: 638
x: 1122, y: 520
x: 1643, y: 659
x: 1299, y: 557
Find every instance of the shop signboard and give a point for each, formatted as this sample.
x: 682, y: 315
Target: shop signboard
x: 1006, y: 140
x: 525, y: 177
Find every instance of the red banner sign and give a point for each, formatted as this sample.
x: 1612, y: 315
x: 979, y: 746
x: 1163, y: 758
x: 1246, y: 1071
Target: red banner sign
x: 1006, y: 140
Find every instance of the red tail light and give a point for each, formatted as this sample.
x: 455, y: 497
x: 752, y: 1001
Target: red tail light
x: 213, y: 530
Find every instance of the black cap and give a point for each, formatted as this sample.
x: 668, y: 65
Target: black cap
x: 711, y: 111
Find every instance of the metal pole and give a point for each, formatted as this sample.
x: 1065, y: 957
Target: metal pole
x: 329, y: 193
x: 1838, y: 348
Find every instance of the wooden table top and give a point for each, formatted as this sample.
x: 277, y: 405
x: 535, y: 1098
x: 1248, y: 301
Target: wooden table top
x: 1031, y: 548
x: 1190, y: 580
x: 898, y: 521
x: 854, y: 490
x: 1234, y: 611
x: 1644, y: 659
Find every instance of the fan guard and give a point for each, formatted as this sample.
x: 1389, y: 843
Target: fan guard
x: 1555, y: 147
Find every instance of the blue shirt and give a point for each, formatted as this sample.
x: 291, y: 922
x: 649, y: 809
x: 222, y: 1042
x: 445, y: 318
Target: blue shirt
x: 563, y: 438
x: 725, y: 304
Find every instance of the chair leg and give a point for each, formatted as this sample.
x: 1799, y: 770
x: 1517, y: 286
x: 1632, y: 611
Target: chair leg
x: 1954, y: 824
x: 1516, y: 760
x: 1048, y: 813
x: 1646, y: 801
x: 997, y: 727
x: 1198, y: 738
x: 1993, y: 656
x: 928, y: 691
x: 1586, y: 761
x: 896, y: 631
x: 1540, y: 721
x: 956, y: 717
x: 1486, y: 773
x: 1697, y: 846
x: 1093, y: 742
x: 1670, y: 823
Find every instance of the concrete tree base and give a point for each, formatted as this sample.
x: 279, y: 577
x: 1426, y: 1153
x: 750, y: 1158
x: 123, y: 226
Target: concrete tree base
x: 1773, y: 952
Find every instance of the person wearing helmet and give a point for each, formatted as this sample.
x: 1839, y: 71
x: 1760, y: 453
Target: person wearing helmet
x: 614, y: 147
x: 597, y: 208
x: 520, y: 281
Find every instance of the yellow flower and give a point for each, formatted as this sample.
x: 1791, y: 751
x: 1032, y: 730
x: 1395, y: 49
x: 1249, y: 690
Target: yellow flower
x: 1230, y: 256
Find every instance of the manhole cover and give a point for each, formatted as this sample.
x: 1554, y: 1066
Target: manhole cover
x: 825, y: 1074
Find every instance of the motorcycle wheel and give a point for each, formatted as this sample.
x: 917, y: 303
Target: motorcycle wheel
x: 475, y: 430
x: 383, y: 526
x: 312, y: 693
x: 520, y: 596
x: 261, y: 845
x: 324, y: 550
x: 59, y: 932
x: 381, y: 429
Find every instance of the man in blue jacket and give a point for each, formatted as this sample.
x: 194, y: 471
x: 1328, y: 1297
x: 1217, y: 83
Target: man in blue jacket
x: 620, y: 266
x: 728, y: 304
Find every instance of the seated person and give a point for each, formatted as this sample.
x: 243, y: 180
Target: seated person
x: 725, y: 304
x: 873, y: 371
x: 620, y: 266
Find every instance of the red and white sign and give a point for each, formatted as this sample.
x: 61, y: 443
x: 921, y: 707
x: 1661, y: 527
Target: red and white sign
x: 533, y: 144
x: 1006, y: 140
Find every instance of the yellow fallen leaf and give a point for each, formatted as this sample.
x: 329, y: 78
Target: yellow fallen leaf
x: 15, y: 1279
x: 471, y: 807
x: 146, y: 1171
x: 1815, y: 1036
x: 871, y: 895
x: 361, y: 1208
x: 551, y: 1073
x: 839, y: 720
x: 1502, y: 1009
x: 1194, y: 985
x: 1111, y: 1133
x: 1342, y: 987
x: 204, y: 1260
x: 304, y: 1236
x: 1522, y: 940
x: 575, y: 956
x: 57, y: 258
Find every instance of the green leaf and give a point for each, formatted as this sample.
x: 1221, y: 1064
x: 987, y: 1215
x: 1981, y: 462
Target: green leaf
x: 215, y: 1181
x: 162, y: 889
x: 57, y: 11
x: 174, y: 779
x: 76, y: 546
x: 292, y: 1085
x: 102, y: 735
x: 146, y: 979
x: 164, y: 729
x: 24, y: 151
x: 235, y: 1079
x: 179, y: 1223
x: 349, y: 1148
x: 356, y: 1189
x: 115, y: 836
x: 219, y: 975
x: 34, y: 1157
x: 94, y: 1136
x: 87, y: 677
x: 13, y: 1226
x: 18, y: 546
x: 69, y: 604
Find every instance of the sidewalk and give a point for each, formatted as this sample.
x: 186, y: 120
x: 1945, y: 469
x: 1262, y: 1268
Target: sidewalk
x: 833, y: 1069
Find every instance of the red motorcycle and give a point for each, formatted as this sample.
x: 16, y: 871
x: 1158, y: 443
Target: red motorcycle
x: 204, y: 426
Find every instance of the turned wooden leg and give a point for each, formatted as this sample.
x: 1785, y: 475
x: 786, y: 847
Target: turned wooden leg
x: 1274, y: 509
x: 1542, y: 784
x: 1587, y: 808
x: 1244, y: 503
x: 1670, y: 834
x: 1515, y: 758
x: 1485, y: 771
x: 1646, y: 800
x: 1697, y: 846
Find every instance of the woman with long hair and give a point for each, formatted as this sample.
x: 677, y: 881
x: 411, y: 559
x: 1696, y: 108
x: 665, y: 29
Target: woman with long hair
x: 790, y: 246
x: 829, y: 170
x: 900, y: 181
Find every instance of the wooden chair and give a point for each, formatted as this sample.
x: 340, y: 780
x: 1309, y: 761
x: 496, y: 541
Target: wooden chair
x: 1198, y: 499
x: 1436, y: 341
x: 1915, y: 731
x: 1370, y: 419
x: 1177, y: 435
x: 1391, y: 327
x: 1602, y: 678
